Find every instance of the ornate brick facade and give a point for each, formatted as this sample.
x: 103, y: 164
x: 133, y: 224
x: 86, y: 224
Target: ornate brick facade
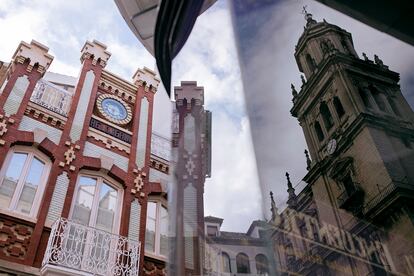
x: 71, y: 129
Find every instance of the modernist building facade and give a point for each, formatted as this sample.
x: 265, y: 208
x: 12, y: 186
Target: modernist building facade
x: 355, y: 215
x: 83, y: 179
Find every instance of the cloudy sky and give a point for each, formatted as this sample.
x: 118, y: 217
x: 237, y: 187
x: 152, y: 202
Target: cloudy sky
x: 210, y: 58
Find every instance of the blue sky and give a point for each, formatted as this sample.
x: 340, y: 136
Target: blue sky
x: 210, y: 58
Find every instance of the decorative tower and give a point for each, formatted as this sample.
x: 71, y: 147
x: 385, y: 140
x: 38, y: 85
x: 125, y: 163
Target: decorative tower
x: 191, y: 130
x: 360, y: 134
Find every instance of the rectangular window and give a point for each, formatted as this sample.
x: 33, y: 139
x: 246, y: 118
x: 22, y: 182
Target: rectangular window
x: 211, y: 231
x: 156, y: 233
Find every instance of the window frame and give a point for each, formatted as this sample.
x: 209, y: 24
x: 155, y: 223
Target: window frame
x: 100, y: 178
x: 31, y: 153
x: 159, y: 201
x: 225, y: 258
x: 242, y: 257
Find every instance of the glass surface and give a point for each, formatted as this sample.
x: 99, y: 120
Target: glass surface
x: 108, y: 198
x: 226, y: 266
x: 11, y: 178
x: 163, y: 231
x: 84, y: 200
x: 33, y: 179
x: 151, y: 227
x: 114, y: 109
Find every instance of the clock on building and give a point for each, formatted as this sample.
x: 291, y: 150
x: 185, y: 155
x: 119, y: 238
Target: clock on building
x: 114, y: 109
x: 331, y: 147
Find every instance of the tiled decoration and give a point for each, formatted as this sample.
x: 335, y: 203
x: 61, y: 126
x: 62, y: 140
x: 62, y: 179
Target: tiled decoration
x: 142, y: 134
x: 29, y: 124
x: 93, y: 150
x: 16, y: 95
x: 76, y: 130
x: 58, y: 198
x: 134, y: 217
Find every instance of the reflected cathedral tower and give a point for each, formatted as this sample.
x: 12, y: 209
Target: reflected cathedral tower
x: 355, y: 216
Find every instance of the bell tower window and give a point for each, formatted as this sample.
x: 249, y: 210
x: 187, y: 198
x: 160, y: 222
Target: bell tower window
x: 378, y: 99
x: 394, y: 106
x: 364, y: 97
x: 326, y: 116
x: 311, y: 63
x: 338, y: 107
x: 319, y: 132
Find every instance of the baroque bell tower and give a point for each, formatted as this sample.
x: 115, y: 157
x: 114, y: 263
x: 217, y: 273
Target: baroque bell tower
x: 360, y: 134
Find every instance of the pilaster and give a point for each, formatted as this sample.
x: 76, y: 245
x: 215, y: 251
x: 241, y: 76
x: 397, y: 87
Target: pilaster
x: 137, y: 184
x: 68, y: 154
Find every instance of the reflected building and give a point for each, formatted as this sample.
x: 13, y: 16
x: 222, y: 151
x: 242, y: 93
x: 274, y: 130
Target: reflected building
x: 236, y: 253
x: 355, y: 215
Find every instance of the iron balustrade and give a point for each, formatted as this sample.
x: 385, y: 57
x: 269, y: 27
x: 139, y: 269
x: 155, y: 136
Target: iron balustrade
x: 52, y: 97
x: 87, y: 249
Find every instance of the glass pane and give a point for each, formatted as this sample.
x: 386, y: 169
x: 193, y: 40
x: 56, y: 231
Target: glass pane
x: 11, y: 178
x: 152, y: 210
x: 164, y: 231
x: 150, y: 230
x: 108, y: 198
x: 83, y: 205
x: 32, y: 182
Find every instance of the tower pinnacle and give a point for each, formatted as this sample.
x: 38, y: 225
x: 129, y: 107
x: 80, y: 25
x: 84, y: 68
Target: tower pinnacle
x: 291, y: 191
x: 308, y: 17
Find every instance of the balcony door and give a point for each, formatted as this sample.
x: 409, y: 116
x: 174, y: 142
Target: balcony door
x: 92, y: 237
x: 97, y: 204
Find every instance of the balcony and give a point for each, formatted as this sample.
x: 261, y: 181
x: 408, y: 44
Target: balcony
x: 52, y: 97
x: 75, y: 249
x: 351, y: 198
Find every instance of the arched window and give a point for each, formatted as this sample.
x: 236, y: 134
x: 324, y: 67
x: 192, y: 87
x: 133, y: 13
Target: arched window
x: 22, y: 180
x: 262, y: 265
x: 338, y: 107
x: 319, y: 132
x: 97, y: 203
x: 225, y: 262
x: 242, y: 262
x: 311, y: 62
x: 394, y: 106
x: 378, y: 98
x: 326, y: 116
x: 364, y: 97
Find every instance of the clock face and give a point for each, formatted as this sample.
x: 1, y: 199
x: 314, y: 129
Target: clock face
x: 331, y: 147
x: 114, y: 109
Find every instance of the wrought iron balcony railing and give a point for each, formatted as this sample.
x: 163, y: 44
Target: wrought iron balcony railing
x: 87, y: 250
x: 52, y: 97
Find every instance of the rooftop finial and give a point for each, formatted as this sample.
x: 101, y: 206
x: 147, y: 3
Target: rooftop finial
x: 308, y: 17
x: 275, y: 216
x: 294, y: 92
x: 291, y: 191
x: 308, y: 161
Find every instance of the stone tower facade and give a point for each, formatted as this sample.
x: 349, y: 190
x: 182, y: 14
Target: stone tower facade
x: 360, y: 134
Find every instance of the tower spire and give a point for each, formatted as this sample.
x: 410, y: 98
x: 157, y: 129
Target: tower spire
x: 275, y: 216
x: 291, y: 191
x: 308, y: 161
